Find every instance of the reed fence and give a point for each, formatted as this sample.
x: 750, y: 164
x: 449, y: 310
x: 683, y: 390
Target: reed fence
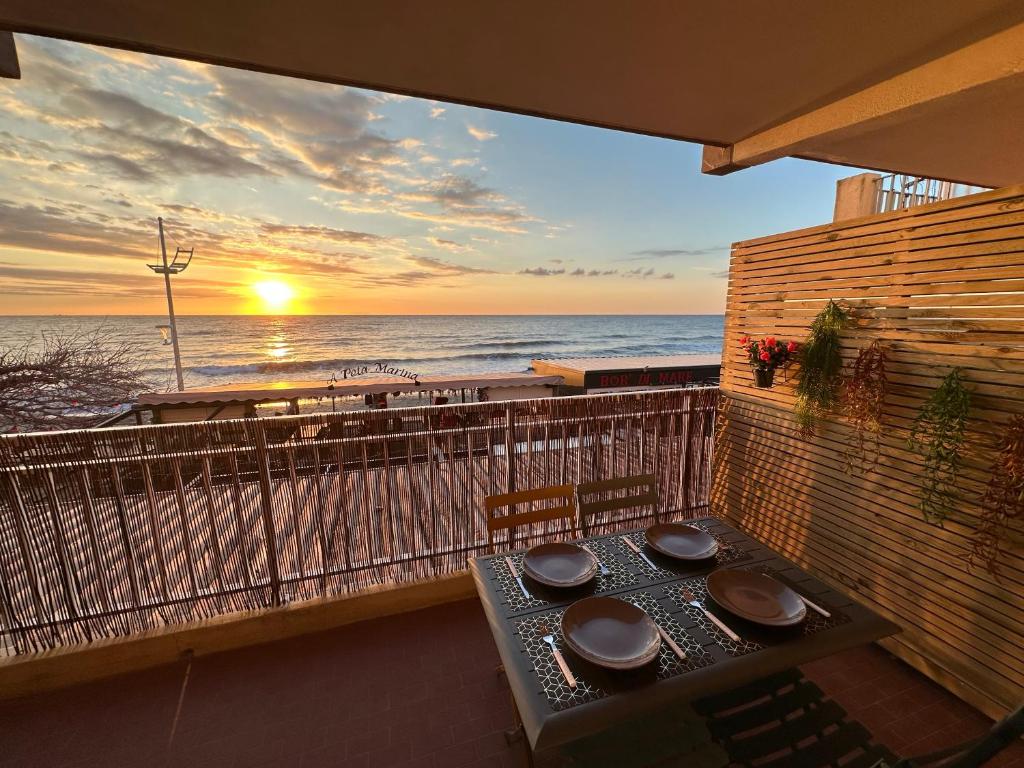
x: 106, y: 533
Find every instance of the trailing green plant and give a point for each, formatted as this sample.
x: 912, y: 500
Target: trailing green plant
x: 821, y: 367
x: 938, y: 434
x: 863, y: 395
x: 1003, y: 500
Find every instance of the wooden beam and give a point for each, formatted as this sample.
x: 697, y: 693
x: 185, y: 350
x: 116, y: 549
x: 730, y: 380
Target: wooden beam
x: 904, y: 97
x: 9, y: 57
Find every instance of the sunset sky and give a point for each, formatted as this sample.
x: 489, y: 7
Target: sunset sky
x: 311, y: 198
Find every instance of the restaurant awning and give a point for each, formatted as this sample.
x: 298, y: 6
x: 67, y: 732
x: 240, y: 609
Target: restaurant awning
x: 929, y: 87
x: 279, y: 391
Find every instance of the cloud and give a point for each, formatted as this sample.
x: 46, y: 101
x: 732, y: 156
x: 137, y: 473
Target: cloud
x: 446, y: 267
x: 59, y: 228
x: 480, y: 134
x: 27, y: 280
x: 578, y: 272
x: 668, y: 276
x: 448, y: 245
x: 436, y: 112
x: 664, y: 253
x: 541, y: 271
x: 320, y: 232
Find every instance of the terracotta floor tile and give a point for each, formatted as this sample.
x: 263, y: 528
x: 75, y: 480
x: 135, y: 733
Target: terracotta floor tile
x: 412, y: 691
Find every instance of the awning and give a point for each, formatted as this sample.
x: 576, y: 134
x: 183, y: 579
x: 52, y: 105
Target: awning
x: 929, y: 87
x: 278, y: 391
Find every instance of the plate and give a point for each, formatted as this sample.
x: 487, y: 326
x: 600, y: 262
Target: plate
x: 560, y: 565
x: 611, y: 633
x: 756, y: 597
x: 683, y: 542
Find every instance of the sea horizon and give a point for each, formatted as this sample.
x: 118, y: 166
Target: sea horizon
x: 222, y: 349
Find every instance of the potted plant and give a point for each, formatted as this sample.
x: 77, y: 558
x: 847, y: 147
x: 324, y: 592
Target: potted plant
x: 765, y: 355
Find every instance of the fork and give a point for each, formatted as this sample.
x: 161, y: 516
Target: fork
x: 604, y: 569
x: 559, y: 659
x: 691, y: 598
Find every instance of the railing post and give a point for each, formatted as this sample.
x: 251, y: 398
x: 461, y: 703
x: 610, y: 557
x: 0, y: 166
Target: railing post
x: 267, y: 510
x: 510, y: 448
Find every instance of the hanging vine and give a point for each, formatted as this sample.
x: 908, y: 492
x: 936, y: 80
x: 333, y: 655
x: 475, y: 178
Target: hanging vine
x: 938, y: 434
x: 863, y: 395
x: 821, y: 367
x: 1003, y: 500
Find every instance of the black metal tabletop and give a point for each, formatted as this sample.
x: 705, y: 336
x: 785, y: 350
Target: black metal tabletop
x: 553, y: 713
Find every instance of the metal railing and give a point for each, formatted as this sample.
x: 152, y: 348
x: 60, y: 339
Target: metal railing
x: 899, y: 191
x: 110, y: 532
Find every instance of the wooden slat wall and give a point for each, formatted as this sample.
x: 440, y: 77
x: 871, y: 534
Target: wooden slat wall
x: 942, y: 285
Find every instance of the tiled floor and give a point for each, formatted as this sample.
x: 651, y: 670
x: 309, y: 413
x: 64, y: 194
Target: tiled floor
x: 417, y: 690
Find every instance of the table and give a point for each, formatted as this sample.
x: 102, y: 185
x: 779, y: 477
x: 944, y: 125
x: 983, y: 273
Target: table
x: 554, y: 714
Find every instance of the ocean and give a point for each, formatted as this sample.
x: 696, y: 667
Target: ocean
x: 234, y: 349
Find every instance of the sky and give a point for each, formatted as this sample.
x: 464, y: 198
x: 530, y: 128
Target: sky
x: 303, y: 197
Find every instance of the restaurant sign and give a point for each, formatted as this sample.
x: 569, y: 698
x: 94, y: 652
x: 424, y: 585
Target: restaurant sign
x: 663, y: 377
x: 373, y: 369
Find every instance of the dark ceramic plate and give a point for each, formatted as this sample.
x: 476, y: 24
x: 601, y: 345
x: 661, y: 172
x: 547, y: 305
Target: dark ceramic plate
x: 610, y: 633
x: 756, y: 597
x: 560, y: 565
x: 683, y: 542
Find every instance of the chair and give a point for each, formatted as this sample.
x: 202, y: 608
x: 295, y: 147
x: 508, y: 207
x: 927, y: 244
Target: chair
x: 785, y: 721
x: 641, y: 492
x: 513, y: 520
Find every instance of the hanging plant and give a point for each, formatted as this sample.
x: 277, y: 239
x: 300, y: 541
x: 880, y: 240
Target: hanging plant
x: 765, y: 356
x: 821, y: 367
x: 863, y: 395
x: 1003, y: 501
x: 938, y: 434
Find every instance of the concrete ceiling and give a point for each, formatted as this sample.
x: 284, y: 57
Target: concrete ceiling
x: 762, y: 79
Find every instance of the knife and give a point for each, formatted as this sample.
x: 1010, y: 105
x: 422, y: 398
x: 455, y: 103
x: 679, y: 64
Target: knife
x: 515, y: 575
x: 814, y: 606
x: 635, y: 548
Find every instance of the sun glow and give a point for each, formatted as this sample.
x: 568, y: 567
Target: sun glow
x: 274, y: 294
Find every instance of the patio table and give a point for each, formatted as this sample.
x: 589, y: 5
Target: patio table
x: 554, y: 714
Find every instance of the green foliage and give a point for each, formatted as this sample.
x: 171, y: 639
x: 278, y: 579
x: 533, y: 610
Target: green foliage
x: 938, y: 434
x: 821, y: 367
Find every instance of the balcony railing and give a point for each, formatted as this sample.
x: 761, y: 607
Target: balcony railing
x: 106, y: 533
x: 899, y: 191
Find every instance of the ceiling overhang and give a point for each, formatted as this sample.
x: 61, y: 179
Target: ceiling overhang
x: 932, y: 87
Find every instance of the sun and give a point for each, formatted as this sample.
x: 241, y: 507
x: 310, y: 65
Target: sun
x: 274, y: 294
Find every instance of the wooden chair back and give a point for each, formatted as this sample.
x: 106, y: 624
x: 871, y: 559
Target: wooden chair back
x: 606, y: 505
x: 566, y: 510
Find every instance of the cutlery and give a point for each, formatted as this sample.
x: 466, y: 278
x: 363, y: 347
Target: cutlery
x: 604, y: 569
x: 630, y: 543
x: 814, y: 606
x: 666, y: 637
x: 515, y: 575
x: 559, y: 659
x: 670, y: 642
x: 691, y: 598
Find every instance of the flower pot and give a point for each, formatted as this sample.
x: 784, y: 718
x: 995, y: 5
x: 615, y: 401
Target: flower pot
x: 764, y: 378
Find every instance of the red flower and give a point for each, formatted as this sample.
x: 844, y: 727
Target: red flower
x: 770, y: 341
x: 765, y: 356
x: 744, y: 340
x: 791, y: 347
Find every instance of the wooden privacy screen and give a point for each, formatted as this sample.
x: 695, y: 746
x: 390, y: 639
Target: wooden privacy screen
x: 942, y: 285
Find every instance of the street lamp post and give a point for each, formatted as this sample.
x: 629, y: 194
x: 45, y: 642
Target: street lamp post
x: 176, y: 266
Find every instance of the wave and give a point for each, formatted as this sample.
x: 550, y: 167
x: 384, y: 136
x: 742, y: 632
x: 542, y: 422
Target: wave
x: 298, y: 366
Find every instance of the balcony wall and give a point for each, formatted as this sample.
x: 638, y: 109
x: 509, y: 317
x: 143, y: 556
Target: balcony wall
x: 941, y: 286
x: 111, y: 533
